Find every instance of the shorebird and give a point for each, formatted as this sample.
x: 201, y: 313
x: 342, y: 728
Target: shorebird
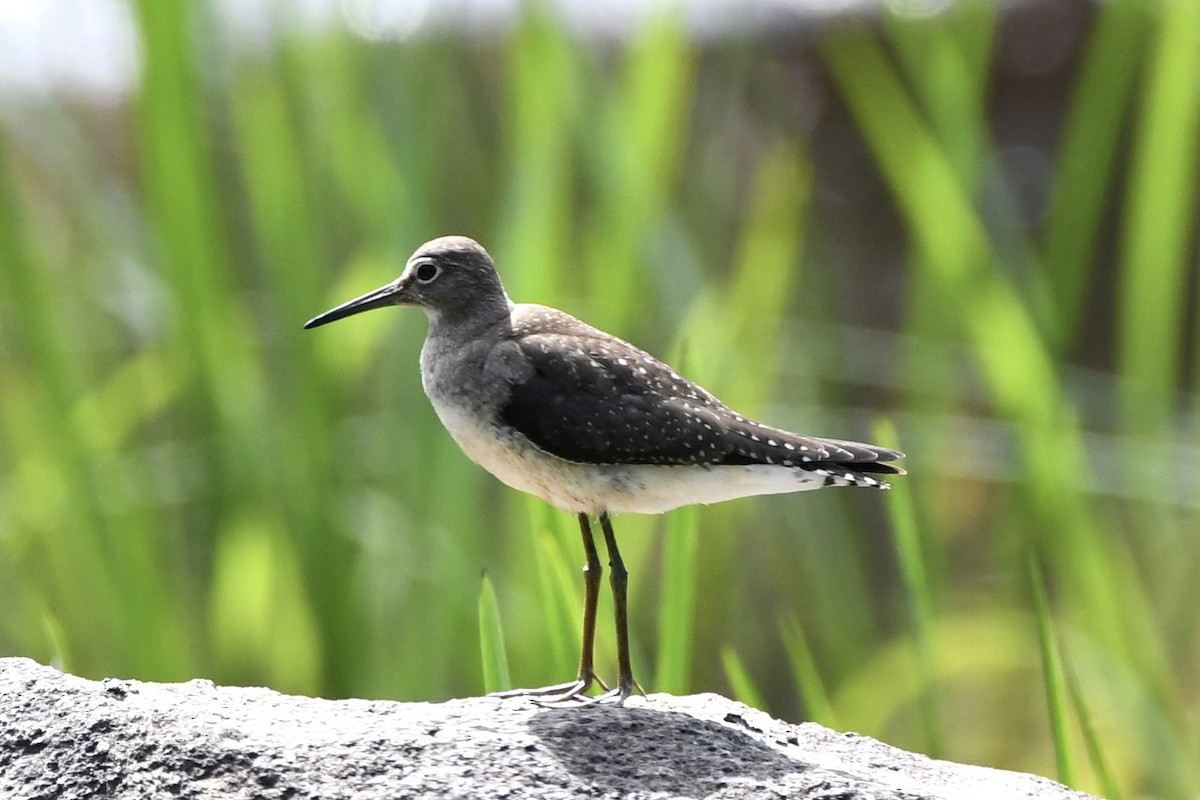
x: 590, y: 424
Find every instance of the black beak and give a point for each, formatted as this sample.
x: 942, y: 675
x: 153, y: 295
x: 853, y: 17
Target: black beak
x: 383, y: 296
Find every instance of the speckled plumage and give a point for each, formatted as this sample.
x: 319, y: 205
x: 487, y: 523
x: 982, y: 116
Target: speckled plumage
x: 594, y: 398
x: 586, y: 421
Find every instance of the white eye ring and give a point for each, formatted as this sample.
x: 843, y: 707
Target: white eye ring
x: 427, y: 272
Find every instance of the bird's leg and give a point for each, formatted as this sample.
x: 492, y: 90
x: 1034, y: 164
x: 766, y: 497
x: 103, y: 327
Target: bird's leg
x: 576, y: 689
x: 619, y: 578
x: 591, y: 596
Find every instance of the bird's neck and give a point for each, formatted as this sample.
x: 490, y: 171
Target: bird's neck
x: 455, y: 355
x: 459, y: 326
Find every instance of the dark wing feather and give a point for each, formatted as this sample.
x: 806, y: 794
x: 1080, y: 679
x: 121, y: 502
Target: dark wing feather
x: 602, y: 401
x: 594, y: 399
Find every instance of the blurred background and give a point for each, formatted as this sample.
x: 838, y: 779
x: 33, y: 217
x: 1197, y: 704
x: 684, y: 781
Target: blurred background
x: 965, y: 229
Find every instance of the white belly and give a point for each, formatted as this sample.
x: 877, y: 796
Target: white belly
x: 595, y: 488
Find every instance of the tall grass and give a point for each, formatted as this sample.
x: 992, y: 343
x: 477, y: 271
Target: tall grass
x: 191, y: 485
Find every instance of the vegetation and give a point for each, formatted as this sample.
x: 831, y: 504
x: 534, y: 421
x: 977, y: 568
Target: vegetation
x: 192, y: 486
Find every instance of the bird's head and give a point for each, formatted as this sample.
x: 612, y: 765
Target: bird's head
x: 449, y: 276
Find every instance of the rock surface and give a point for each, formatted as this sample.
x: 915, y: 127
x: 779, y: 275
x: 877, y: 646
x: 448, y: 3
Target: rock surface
x: 66, y: 737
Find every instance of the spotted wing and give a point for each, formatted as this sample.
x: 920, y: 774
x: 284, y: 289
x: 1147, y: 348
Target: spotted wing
x: 599, y: 400
x: 592, y: 398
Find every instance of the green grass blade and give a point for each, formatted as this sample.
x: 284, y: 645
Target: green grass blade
x: 649, y: 107
x: 43, y: 456
x: 946, y: 59
x: 1091, y: 737
x: 1052, y: 675
x: 491, y: 640
x: 1088, y: 156
x: 808, y: 678
x: 372, y: 176
x: 60, y: 644
x: 262, y: 629
x: 559, y: 584
x: 1160, y: 223
x: 534, y: 233
x: 740, y: 682
x: 906, y: 537
x: 677, y: 609
x: 747, y: 312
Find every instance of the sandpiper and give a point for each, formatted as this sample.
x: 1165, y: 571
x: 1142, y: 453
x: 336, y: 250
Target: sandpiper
x: 590, y: 423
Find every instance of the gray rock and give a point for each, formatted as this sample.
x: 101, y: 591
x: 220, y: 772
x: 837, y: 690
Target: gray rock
x: 66, y: 737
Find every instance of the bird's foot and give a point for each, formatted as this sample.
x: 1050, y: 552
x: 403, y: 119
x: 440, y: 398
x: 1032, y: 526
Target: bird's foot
x: 560, y: 693
x: 614, y: 697
x: 610, y: 697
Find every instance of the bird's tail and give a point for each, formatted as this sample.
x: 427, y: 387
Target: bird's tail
x: 840, y: 462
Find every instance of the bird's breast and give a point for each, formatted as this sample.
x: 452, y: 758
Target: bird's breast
x: 516, y: 461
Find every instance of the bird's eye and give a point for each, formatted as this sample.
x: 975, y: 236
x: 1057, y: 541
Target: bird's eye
x: 427, y: 271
